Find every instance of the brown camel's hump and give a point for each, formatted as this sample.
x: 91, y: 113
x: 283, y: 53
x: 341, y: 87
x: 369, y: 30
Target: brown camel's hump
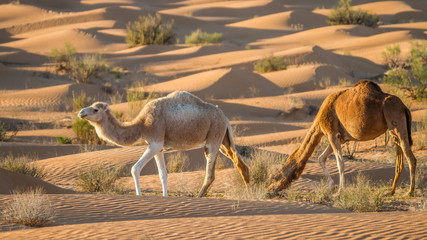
x: 367, y: 84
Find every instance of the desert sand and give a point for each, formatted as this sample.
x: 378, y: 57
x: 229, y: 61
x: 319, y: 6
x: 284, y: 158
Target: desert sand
x: 269, y: 111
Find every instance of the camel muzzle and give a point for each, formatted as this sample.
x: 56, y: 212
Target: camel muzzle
x: 82, y: 114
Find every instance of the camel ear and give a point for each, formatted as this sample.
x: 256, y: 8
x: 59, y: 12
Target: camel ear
x: 103, y: 106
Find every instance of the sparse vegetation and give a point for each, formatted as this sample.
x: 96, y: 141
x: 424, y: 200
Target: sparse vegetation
x: 360, y: 196
x: 64, y: 140
x: 262, y: 165
x: 199, y: 37
x: 149, y: 30
x: 98, y: 179
x: 4, y: 135
x: 420, y: 141
x: 85, y: 132
x: 80, y: 101
x: 80, y: 69
x: 22, y: 164
x: 410, y: 75
x: 270, y: 64
x: 350, y: 151
x: 31, y: 208
x: 344, y: 14
x: 137, y: 98
x: 176, y: 162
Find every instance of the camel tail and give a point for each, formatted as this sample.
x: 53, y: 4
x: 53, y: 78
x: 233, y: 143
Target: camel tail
x: 229, y: 149
x: 296, y: 162
x: 408, y: 125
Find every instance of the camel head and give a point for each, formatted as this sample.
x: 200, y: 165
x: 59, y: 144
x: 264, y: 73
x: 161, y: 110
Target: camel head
x: 95, y: 112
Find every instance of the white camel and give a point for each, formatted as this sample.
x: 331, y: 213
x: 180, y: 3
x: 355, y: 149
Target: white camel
x: 179, y: 121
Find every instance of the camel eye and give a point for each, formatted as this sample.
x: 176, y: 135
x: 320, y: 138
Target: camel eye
x: 95, y: 110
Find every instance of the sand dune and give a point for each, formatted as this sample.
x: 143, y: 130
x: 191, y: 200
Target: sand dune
x: 221, y: 83
x: 10, y: 182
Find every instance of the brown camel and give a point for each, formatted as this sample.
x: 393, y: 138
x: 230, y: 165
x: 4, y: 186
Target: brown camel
x: 358, y: 114
x: 179, y: 121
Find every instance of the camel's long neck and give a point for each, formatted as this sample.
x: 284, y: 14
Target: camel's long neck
x: 116, y: 132
x: 296, y: 162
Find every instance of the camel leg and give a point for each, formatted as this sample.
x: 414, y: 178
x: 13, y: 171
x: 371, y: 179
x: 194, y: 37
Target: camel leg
x: 412, y: 162
x: 210, y: 154
x: 163, y: 173
x: 151, y: 151
x: 322, y: 160
x: 336, y: 146
x: 399, y: 167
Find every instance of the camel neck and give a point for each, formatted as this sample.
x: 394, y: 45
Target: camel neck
x: 116, y: 132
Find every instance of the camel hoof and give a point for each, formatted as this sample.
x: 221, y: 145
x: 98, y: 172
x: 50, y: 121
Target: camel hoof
x: 409, y: 194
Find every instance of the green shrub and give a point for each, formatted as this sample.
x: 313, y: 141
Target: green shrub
x: 31, y: 208
x: 360, y: 196
x: 80, y: 69
x: 176, y: 162
x: 80, y: 101
x: 22, y: 164
x: 410, y: 75
x: 64, y: 140
x: 270, y: 64
x: 86, y: 67
x: 199, y: 38
x: 86, y: 133
x: 98, y: 179
x: 62, y: 58
x: 149, y: 30
x: 137, y: 98
x: 343, y: 14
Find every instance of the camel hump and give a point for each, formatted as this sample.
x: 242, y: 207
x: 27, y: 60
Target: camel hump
x: 368, y: 84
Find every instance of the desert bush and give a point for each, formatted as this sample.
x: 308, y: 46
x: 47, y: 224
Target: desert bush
x: 149, y: 30
x: 79, y: 68
x: 350, y: 151
x: 4, y: 135
x: 80, y: 101
x: 420, y: 140
x: 63, y: 57
x: 86, y: 67
x: 270, y: 64
x: 31, y: 208
x: 137, y: 98
x: 86, y: 133
x: 64, y: 140
x: 421, y: 176
x: 360, y: 196
x: 344, y: 14
x: 22, y: 164
x: 176, y: 162
x: 199, y: 37
x: 322, y: 193
x: 262, y: 165
x: 410, y: 75
x: 98, y: 179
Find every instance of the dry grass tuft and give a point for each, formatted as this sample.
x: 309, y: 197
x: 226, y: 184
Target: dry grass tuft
x: 262, y: 165
x: 22, y: 164
x: 360, y: 196
x: 99, y: 179
x: 31, y: 208
x: 176, y: 162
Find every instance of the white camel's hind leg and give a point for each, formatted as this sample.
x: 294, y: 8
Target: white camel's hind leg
x: 151, y: 151
x: 210, y: 153
x: 163, y: 173
x: 322, y: 160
